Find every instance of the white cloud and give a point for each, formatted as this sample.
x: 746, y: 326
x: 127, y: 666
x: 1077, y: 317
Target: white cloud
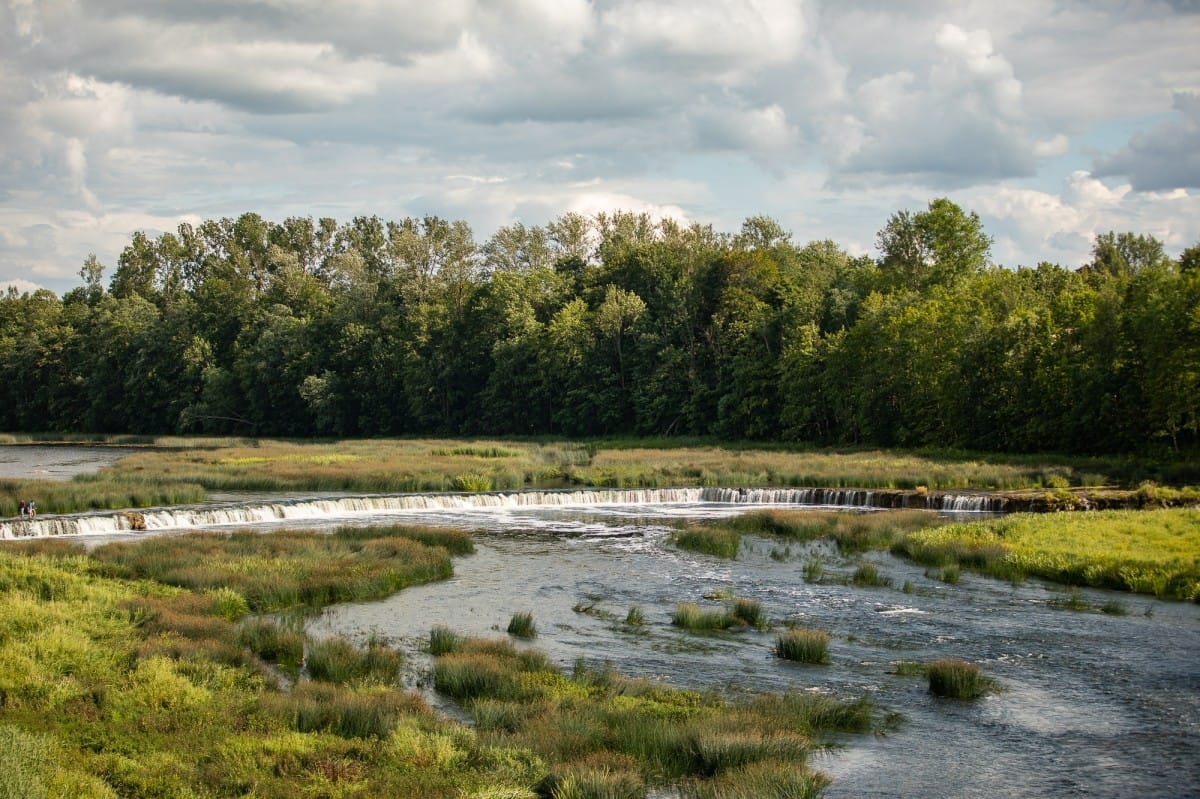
x: 118, y: 115
x: 1062, y: 227
x: 740, y: 33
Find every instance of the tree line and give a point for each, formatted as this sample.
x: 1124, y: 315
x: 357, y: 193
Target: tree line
x: 615, y: 324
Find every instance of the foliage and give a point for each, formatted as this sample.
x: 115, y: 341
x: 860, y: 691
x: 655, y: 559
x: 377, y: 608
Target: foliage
x: 615, y: 324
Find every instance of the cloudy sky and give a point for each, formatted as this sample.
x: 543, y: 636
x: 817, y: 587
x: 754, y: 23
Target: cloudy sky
x: 1055, y: 120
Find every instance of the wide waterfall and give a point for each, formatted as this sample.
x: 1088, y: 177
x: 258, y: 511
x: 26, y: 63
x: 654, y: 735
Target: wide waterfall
x: 228, y: 514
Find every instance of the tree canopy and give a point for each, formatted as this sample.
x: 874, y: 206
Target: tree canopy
x: 615, y: 324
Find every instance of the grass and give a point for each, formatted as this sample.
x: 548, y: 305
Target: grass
x: 803, y: 645
x: 289, y: 568
x: 337, y: 660
x: 635, y: 617
x: 737, y: 611
x: 853, y: 531
x: 130, y: 687
x: 605, y: 735
x: 521, y: 625
x: 867, y: 576
x: 176, y: 470
x: 691, y: 616
x: 957, y: 679
x: 715, y: 541
x: 443, y: 641
x: 1155, y: 552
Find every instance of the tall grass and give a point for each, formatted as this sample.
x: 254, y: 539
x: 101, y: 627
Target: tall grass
x: 691, y: 616
x: 803, y: 645
x: 957, y: 679
x: 273, y: 642
x: 610, y: 736
x: 338, y: 660
x: 521, y: 625
x: 853, y: 531
x: 93, y: 492
x: 441, y: 465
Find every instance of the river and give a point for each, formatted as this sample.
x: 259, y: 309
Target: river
x: 1090, y: 704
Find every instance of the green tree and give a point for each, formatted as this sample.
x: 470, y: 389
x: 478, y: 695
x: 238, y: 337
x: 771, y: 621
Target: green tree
x: 936, y: 247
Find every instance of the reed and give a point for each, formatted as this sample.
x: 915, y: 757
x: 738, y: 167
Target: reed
x: 814, y: 569
x: 382, y: 465
x: 521, y: 625
x: 95, y: 492
x: 803, y: 645
x: 328, y: 708
x: 635, y: 617
x: 957, y: 679
x: 595, y: 784
x: 759, y: 780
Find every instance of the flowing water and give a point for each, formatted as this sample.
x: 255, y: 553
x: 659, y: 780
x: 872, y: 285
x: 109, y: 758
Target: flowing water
x: 1091, y: 704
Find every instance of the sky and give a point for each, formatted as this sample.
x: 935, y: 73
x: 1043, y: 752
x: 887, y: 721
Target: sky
x: 1054, y: 120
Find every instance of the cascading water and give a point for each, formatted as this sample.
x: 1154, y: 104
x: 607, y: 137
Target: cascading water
x: 351, y: 507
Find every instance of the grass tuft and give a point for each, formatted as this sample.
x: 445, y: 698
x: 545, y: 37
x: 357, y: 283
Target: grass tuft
x: 957, y: 679
x: 521, y: 625
x: 803, y: 645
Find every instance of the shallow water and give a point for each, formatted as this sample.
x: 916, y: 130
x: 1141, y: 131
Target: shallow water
x: 1091, y: 704
x: 55, y: 462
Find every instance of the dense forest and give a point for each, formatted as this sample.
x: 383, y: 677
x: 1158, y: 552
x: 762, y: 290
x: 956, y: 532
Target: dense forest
x: 612, y: 325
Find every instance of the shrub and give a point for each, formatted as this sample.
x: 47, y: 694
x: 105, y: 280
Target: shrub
x: 521, y: 625
x: 957, y: 679
x: 803, y: 645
